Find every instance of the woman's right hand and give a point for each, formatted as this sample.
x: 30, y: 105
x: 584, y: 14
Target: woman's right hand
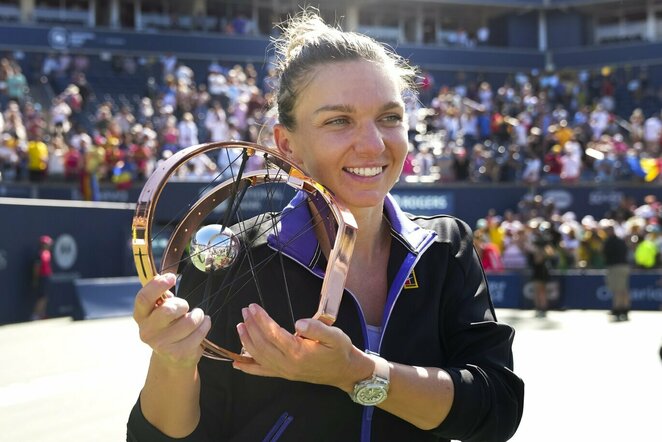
x: 172, y: 331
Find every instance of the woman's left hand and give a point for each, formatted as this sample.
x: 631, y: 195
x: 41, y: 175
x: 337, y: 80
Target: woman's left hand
x: 318, y: 353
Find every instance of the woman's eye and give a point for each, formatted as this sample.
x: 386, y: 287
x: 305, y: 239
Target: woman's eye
x: 337, y: 122
x: 393, y: 118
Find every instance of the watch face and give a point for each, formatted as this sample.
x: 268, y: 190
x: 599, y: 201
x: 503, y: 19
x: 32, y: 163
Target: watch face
x: 371, y: 394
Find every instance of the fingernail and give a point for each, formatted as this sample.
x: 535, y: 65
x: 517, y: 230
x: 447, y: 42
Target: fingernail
x: 301, y: 325
x: 240, y: 329
x: 169, y: 278
x: 253, y: 308
x: 244, y: 313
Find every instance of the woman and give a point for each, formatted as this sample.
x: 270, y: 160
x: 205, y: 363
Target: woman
x: 419, y: 294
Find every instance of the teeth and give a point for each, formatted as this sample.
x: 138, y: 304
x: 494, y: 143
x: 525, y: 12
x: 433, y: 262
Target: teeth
x: 365, y: 171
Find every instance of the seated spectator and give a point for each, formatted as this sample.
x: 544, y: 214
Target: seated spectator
x: 514, y: 256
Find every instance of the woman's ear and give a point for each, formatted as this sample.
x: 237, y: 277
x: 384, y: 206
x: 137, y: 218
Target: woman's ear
x: 283, y: 142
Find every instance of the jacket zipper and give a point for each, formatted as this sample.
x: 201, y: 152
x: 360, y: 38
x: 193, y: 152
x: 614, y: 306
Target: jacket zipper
x: 366, y: 424
x: 409, y: 263
x: 279, y: 427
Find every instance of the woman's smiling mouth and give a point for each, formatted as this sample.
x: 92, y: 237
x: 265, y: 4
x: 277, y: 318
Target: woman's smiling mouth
x: 364, y: 171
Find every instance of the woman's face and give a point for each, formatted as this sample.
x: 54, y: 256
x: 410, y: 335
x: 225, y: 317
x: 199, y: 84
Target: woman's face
x: 350, y: 132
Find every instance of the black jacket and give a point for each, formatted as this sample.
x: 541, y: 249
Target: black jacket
x: 438, y: 314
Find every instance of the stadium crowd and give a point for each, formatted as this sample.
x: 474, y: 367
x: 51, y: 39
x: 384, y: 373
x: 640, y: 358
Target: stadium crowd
x: 542, y: 127
x: 536, y: 128
x: 563, y: 241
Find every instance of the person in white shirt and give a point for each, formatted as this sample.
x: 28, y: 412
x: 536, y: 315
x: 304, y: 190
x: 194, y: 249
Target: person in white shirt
x: 532, y: 167
x: 599, y: 120
x: 188, y: 131
x: 571, y: 163
x: 652, y: 134
x: 216, y: 123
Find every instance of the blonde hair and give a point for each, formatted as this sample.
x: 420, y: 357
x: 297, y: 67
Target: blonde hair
x: 306, y: 42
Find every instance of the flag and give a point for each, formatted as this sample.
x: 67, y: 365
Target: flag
x: 635, y: 166
x: 651, y: 168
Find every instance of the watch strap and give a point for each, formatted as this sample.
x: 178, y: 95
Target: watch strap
x: 382, y: 369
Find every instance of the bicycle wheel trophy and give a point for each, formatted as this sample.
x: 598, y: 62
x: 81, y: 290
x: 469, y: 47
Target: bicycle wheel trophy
x: 238, y: 207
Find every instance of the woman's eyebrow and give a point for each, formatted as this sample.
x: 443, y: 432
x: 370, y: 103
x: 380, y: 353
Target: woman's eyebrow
x: 335, y: 108
x: 346, y: 108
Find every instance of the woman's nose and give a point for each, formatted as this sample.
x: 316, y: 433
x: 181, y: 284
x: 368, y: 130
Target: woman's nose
x: 369, y: 140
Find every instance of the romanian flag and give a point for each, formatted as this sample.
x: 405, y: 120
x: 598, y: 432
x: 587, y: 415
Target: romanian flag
x: 651, y: 167
x: 122, y: 175
x: 647, y: 168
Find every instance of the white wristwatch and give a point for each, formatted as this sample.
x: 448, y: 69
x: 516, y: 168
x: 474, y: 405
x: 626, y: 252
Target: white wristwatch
x: 374, y: 390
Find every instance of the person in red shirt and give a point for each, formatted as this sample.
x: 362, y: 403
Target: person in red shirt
x: 490, y: 255
x: 42, y: 277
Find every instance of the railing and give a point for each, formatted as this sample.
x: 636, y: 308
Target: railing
x: 60, y: 15
x: 9, y: 13
x: 620, y: 31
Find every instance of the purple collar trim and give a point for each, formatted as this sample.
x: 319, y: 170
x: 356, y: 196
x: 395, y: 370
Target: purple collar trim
x: 297, y: 237
x: 414, y: 236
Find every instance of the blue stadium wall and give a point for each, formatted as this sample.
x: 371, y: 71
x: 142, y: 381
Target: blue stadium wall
x: 90, y: 240
x: 453, y: 199
x: 94, y: 275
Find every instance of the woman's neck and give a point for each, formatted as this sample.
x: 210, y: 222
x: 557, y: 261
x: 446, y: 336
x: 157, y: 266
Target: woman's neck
x: 372, y: 235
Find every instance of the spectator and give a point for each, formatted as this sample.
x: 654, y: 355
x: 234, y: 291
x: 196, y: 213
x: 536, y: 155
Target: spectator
x: 532, y: 167
x: 17, y: 84
x: 646, y: 253
x: 460, y: 164
x: 514, y: 256
x: 653, y: 134
x: 568, y: 247
x: 93, y: 159
x: 37, y: 154
x: 170, y: 135
x: 168, y: 65
x: 490, y: 256
x: 9, y: 157
x: 571, y: 163
x: 188, y: 131
x: 145, y: 110
x: 50, y: 66
x: 554, y: 164
x: 124, y: 119
x: 216, y: 123
x: 73, y: 163
x: 424, y: 161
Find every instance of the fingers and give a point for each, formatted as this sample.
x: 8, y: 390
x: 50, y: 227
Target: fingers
x: 179, y: 329
x: 165, y: 323
x: 152, y: 291
x: 260, y: 335
x: 316, y: 330
x: 317, y: 354
x: 182, y: 339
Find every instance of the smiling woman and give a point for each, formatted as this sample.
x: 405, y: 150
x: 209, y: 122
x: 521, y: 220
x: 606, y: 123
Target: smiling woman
x: 350, y: 135
x: 416, y: 352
